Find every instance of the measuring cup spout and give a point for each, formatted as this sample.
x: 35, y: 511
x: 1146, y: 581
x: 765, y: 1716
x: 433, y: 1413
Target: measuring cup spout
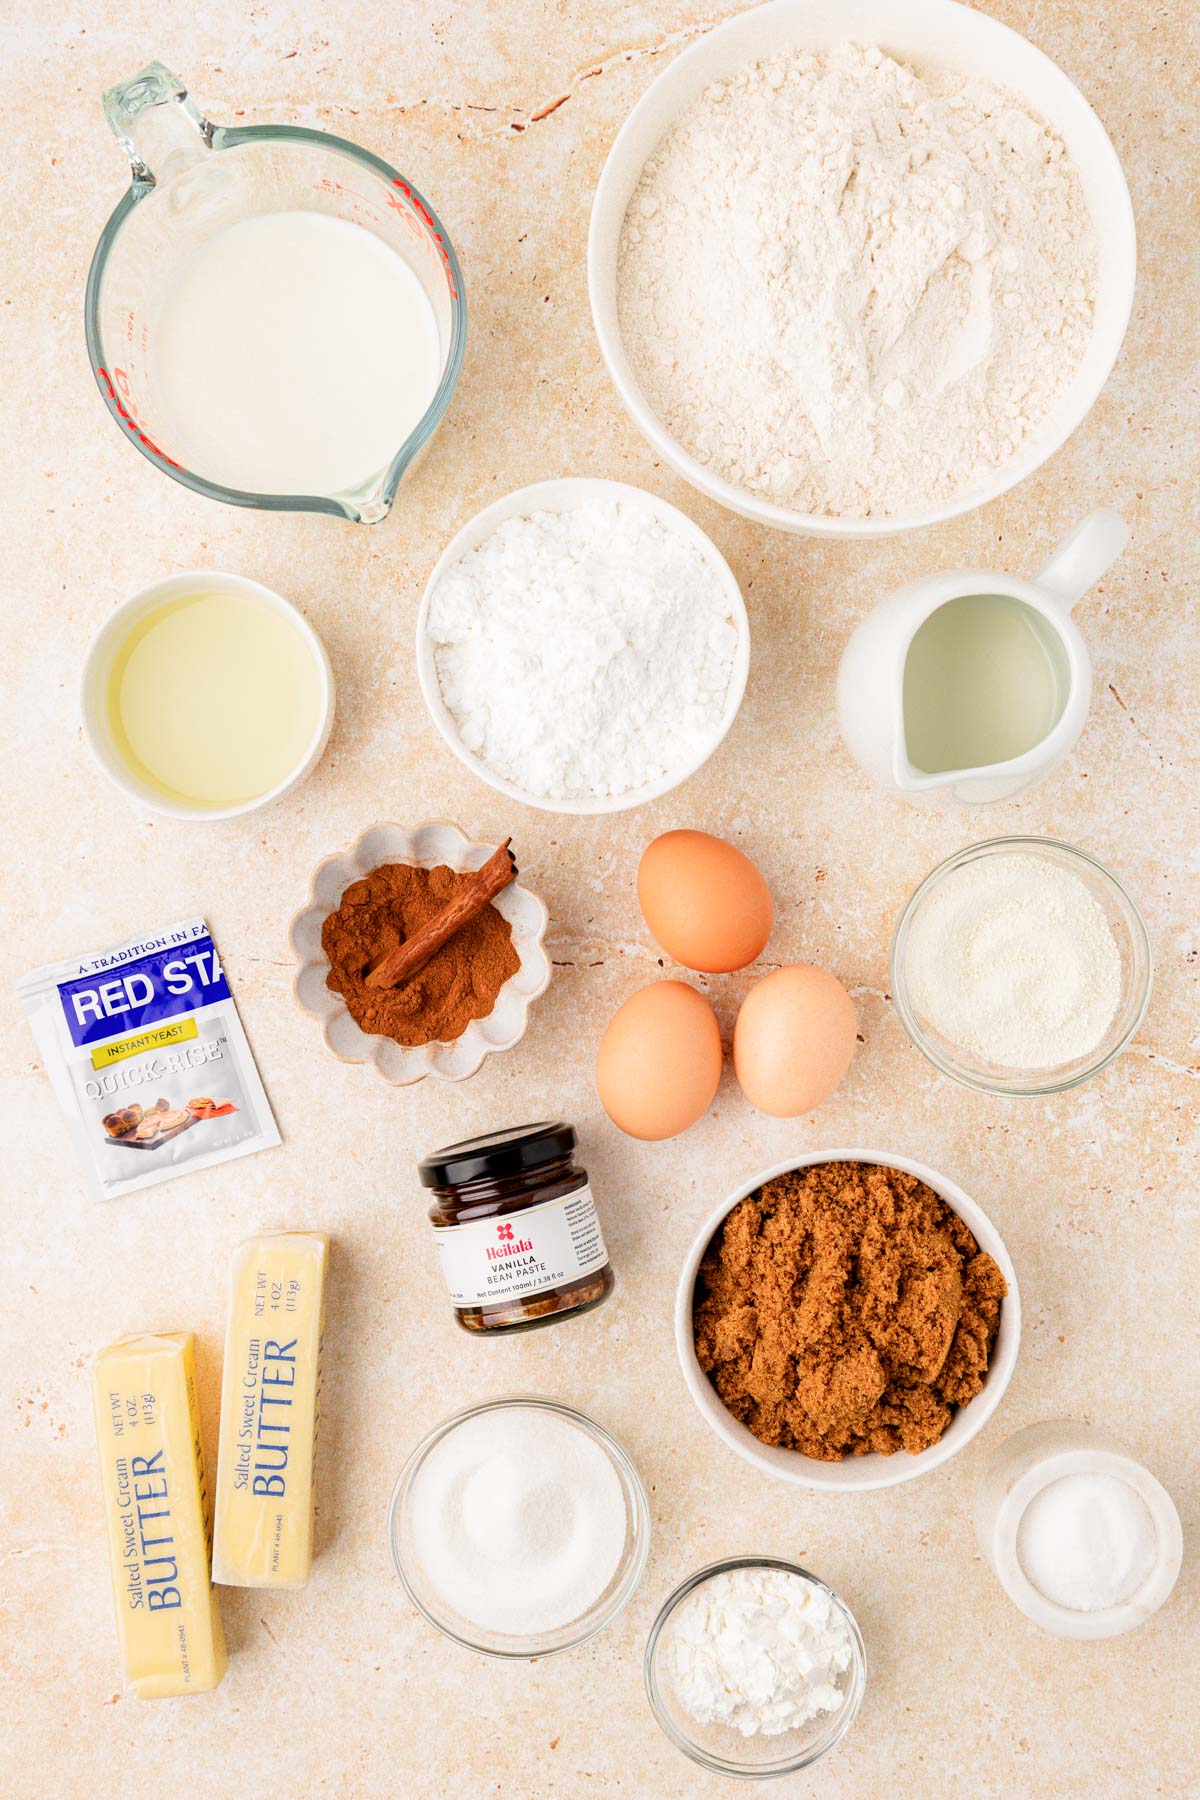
x: 156, y: 124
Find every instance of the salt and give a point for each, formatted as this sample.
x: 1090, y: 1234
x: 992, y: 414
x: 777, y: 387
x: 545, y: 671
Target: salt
x: 1087, y: 1542
x: 519, y: 1521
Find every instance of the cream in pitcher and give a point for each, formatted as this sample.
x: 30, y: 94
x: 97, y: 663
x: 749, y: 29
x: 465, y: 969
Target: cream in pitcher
x: 972, y: 685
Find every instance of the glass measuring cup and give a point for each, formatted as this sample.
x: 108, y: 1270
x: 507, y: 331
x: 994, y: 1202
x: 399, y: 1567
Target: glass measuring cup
x: 191, y: 179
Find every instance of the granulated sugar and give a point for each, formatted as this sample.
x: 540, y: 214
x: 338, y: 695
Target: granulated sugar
x: 852, y: 289
x: 519, y: 1521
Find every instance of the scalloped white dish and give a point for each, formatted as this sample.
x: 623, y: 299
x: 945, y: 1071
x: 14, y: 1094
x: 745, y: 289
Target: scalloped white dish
x: 401, y: 1064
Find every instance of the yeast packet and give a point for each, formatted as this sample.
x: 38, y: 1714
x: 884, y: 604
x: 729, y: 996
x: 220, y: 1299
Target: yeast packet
x: 148, y: 1058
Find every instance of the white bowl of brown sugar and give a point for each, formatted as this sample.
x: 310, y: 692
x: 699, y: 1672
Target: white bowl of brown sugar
x: 847, y: 1320
x: 476, y: 934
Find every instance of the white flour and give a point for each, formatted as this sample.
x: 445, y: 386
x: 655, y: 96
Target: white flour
x: 855, y: 290
x: 760, y: 1650
x: 1013, y: 959
x: 584, y: 653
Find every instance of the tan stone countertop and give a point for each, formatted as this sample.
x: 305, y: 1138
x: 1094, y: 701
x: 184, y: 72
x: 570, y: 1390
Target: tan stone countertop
x: 502, y: 114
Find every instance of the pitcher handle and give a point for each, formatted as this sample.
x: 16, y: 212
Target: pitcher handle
x: 1084, y: 555
x: 156, y: 124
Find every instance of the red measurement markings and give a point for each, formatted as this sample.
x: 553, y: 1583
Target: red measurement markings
x: 127, y: 413
x: 434, y: 235
x: 416, y: 216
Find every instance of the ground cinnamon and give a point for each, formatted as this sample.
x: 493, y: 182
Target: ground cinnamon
x: 460, y: 982
x: 474, y: 893
x: 845, y: 1308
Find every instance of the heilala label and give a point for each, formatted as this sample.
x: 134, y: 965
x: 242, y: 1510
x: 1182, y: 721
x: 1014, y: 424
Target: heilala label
x: 492, y: 1260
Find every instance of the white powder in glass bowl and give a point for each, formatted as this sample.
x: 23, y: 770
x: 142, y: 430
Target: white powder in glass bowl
x: 519, y: 1521
x: 760, y: 1650
x: 1012, y: 958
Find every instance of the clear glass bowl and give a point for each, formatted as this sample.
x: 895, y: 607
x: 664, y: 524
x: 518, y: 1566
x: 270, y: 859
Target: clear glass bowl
x: 604, y: 1610
x: 720, y: 1747
x: 1137, y: 974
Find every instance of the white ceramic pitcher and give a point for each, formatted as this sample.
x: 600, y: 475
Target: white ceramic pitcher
x: 870, y: 683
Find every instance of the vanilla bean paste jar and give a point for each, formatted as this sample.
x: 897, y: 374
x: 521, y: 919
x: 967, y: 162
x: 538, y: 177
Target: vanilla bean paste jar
x: 515, y: 1225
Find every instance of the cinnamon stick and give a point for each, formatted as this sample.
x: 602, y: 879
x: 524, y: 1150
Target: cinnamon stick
x: 478, y: 891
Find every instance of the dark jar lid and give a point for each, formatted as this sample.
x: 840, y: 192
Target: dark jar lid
x: 495, y: 1154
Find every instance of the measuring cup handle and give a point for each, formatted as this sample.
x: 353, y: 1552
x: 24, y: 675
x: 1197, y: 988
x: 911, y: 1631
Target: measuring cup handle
x: 156, y: 124
x: 1084, y: 555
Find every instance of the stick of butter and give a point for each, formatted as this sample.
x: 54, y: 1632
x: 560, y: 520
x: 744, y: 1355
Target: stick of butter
x: 156, y: 1502
x: 270, y: 1403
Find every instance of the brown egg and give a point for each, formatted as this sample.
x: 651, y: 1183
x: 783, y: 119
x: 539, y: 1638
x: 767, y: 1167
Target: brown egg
x: 793, y: 1040
x: 659, y: 1061
x: 705, y: 903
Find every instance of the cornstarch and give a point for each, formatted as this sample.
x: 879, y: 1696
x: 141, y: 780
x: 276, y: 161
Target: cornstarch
x: 852, y: 289
x: 584, y: 653
x: 759, y: 1650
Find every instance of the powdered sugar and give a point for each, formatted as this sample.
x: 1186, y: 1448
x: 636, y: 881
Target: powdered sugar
x: 587, y: 652
x: 851, y: 289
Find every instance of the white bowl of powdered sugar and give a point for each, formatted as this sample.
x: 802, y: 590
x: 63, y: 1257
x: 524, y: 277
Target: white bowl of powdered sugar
x: 582, y: 646
x: 861, y: 268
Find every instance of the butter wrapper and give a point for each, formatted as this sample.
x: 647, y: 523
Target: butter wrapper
x: 148, y: 1059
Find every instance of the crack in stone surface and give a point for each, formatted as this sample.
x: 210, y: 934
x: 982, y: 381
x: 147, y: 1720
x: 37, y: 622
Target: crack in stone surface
x: 521, y: 118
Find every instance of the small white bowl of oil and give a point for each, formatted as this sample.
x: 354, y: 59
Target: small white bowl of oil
x: 206, y: 696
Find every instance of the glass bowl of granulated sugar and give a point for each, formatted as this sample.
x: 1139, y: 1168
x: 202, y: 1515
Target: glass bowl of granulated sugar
x: 519, y: 1528
x: 1021, y: 966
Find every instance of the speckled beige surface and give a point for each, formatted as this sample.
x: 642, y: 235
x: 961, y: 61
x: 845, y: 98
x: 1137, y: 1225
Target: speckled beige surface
x: 341, y: 1690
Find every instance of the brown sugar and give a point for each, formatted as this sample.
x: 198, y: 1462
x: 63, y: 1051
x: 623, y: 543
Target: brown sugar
x: 459, y: 983
x: 846, y: 1308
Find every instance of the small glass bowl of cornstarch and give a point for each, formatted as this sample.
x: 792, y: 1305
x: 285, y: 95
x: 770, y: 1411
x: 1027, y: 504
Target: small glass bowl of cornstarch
x: 755, y: 1667
x: 519, y: 1527
x: 1021, y: 966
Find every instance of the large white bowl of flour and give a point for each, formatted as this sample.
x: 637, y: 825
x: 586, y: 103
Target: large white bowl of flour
x: 956, y: 51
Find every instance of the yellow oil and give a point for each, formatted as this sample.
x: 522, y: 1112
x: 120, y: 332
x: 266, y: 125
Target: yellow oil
x: 213, y: 699
x: 984, y: 681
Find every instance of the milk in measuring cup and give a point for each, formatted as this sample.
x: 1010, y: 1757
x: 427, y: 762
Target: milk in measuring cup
x: 292, y: 353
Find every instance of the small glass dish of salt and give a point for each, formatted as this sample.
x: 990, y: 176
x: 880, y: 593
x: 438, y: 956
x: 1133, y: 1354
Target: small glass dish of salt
x: 755, y: 1667
x: 519, y: 1528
